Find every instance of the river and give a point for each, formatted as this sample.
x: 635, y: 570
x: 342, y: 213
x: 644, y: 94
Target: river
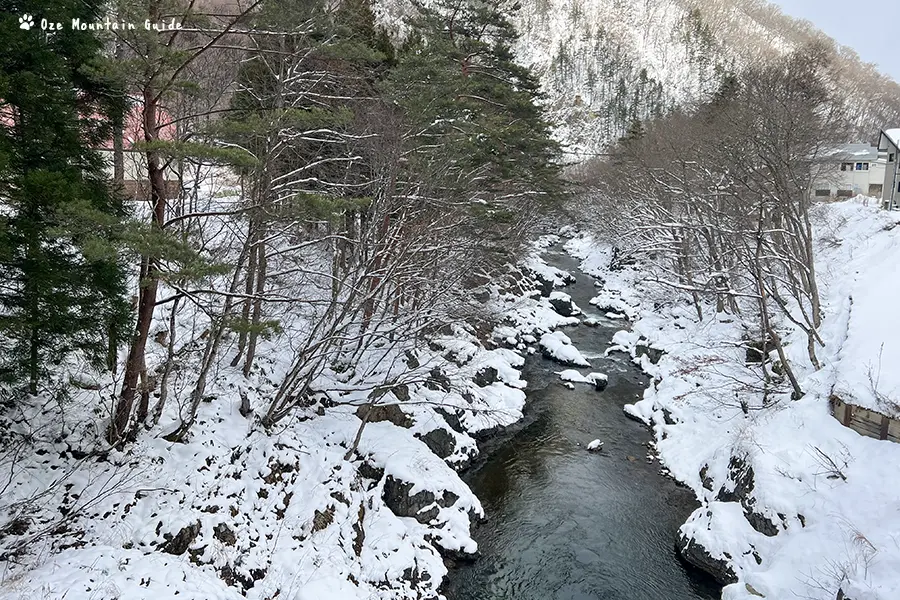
x: 567, y: 524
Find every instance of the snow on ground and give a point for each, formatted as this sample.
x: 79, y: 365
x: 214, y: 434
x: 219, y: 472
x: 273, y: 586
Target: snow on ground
x: 235, y: 511
x: 797, y: 504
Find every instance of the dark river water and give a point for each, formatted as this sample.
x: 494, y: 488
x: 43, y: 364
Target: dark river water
x: 568, y: 524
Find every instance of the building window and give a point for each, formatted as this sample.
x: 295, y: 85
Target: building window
x: 891, y: 157
x: 845, y: 193
x: 823, y: 193
x: 862, y: 166
x: 846, y: 166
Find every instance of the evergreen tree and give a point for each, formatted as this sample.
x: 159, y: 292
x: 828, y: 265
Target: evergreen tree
x: 62, y: 285
x: 475, y: 111
x: 635, y: 132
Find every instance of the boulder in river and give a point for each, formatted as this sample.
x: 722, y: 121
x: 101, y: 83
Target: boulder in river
x: 599, y: 381
x: 558, y: 347
x: 563, y: 305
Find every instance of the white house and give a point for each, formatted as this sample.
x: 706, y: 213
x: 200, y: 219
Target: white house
x: 135, y: 181
x: 136, y: 184
x: 889, y: 147
x: 848, y: 171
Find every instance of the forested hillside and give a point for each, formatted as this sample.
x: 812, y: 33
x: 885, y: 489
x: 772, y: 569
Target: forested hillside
x: 606, y: 64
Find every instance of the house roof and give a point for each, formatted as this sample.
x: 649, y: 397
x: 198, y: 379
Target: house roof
x: 855, y: 152
x: 890, y: 135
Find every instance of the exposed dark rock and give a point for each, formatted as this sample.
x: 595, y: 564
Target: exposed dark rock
x: 437, y: 380
x: 741, y: 483
x: 459, y: 357
x: 547, y: 284
x: 421, y: 506
x: 697, y: 556
x: 635, y: 418
x: 668, y: 419
x: 234, y: 577
x: 757, y: 350
x: 224, y: 534
x: 600, y: 383
x: 385, y: 412
x: 412, y: 361
x: 705, y: 479
x: 439, y: 441
x: 323, y: 518
x: 180, y: 542
x: 401, y: 392
x: 485, y: 377
x: 760, y: 522
x: 448, y: 499
x: 563, y: 306
x: 415, y: 577
x: 427, y: 515
x: 368, y: 471
x: 359, y: 533
x: 451, y: 415
x: 643, y: 348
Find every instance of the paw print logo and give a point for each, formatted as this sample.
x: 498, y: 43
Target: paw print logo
x: 26, y: 22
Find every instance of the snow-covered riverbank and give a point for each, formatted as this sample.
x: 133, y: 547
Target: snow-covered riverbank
x: 795, y: 505
x: 237, y: 511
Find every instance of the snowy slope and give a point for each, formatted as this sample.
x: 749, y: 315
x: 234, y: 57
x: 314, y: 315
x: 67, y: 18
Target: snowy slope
x: 239, y: 511
x: 795, y: 505
x: 605, y: 63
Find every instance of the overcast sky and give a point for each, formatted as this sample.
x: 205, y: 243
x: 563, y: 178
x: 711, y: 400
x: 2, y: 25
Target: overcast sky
x: 871, y: 28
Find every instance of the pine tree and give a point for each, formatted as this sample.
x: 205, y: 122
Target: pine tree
x: 476, y: 112
x: 63, y: 286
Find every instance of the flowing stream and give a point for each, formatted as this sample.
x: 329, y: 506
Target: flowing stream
x: 568, y: 524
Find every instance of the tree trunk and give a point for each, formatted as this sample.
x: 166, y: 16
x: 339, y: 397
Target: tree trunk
x: 257, y: 302
x: 248, y: 291
x: 167, y: 369
x: 149, y: 281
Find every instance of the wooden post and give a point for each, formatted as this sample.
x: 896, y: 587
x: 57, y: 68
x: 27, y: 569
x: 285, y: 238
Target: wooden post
x: 885, y: 423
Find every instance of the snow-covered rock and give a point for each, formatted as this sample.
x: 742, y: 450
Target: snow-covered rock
x: 562, y: 303
x: 598, y: 380
x: 558, y: 347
